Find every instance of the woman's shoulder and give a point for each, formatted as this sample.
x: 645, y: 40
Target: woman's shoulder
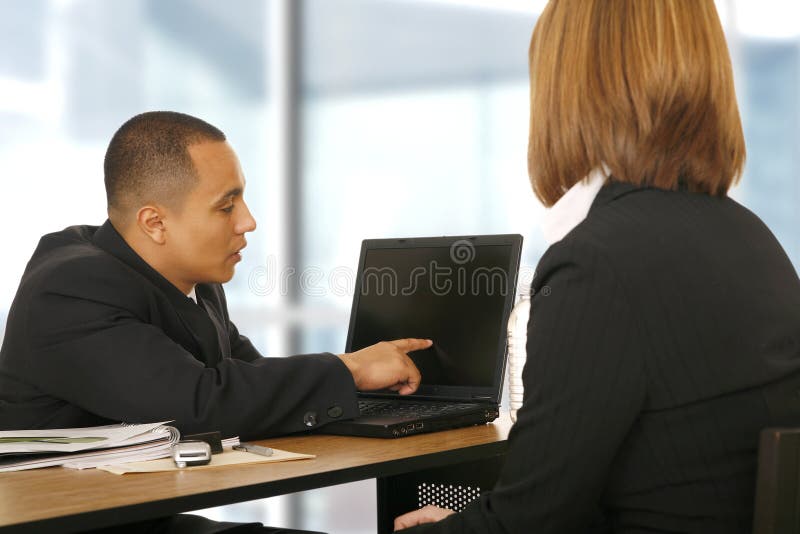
x: 633, y: 230
x: 627, y: 218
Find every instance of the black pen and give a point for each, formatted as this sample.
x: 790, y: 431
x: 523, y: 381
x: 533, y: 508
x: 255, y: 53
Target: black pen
x: 255, y: 449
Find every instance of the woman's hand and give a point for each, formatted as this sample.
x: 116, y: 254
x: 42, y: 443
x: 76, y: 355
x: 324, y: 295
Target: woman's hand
x: 427, y: 514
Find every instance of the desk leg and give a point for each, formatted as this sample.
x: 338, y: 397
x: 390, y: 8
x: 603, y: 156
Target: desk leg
x: 452, y: 487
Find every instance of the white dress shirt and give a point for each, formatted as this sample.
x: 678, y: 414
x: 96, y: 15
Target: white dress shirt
x: 573, y: 207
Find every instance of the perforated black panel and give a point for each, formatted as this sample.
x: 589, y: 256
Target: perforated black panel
x: 446, y: 495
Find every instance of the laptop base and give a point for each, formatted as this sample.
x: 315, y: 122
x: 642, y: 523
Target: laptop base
x: 392, y: 427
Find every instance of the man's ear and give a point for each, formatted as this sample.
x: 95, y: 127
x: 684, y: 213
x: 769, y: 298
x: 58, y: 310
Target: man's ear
x: 150, y: 220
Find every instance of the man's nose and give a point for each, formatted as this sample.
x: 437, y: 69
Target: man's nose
x: 247, y: 223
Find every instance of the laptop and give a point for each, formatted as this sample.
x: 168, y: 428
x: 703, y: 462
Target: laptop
x: 457, y: 291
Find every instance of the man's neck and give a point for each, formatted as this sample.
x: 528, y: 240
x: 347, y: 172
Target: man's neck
x: 152, y: 255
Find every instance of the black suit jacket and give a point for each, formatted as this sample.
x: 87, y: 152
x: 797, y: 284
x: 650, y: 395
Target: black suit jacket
x: 95, y: 335
x: 667, y: 338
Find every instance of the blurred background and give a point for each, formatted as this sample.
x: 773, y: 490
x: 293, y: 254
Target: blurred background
x: 353, y: 119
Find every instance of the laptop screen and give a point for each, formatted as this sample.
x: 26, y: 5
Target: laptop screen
x: 457, y: 291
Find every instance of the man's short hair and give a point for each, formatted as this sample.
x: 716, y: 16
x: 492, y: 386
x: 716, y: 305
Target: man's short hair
x: 148, y: 160
x: 645, y: 87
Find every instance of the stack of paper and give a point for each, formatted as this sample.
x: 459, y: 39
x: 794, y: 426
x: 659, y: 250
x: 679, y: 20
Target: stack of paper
x: 81, y: 448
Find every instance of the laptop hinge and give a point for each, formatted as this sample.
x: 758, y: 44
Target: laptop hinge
x: 482, y: 397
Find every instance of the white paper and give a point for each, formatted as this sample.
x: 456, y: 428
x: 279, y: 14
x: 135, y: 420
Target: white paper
x: 114, y: 436
x: 124, y: 443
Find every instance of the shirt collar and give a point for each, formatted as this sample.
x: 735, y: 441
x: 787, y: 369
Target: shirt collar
x: 572, y: 208
x: 193, y: 295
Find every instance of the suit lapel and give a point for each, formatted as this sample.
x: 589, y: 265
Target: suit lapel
x: 203, y: 329
x: 220, y: 327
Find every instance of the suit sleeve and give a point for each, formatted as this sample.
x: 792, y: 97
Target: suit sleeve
x: 584, y: 388
x: 241, y: 347
x: 108, y: 361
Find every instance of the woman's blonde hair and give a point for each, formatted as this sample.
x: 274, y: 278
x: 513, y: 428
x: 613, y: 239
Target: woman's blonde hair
x: 644, y: 86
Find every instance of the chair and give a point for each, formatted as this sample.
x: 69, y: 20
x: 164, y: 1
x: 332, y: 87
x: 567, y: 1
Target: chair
x: 777, y: 504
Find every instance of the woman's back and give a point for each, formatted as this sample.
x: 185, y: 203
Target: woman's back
x: 703, y: 354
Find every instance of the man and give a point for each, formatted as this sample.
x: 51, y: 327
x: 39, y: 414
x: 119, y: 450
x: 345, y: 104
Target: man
x: 128, y: 321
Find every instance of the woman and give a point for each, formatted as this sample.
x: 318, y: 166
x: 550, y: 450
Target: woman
x: 669, y: 333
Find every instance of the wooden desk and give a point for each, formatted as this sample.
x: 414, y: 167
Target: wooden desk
x: 65, y: 500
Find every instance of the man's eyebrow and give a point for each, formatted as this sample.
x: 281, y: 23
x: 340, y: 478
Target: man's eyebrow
x: 235, y: 192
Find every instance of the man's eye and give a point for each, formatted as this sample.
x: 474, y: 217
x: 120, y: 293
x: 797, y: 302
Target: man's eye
x: 228, y: 209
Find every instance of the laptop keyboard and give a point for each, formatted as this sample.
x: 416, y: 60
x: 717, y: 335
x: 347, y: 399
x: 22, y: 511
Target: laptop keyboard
x: 409, y: 408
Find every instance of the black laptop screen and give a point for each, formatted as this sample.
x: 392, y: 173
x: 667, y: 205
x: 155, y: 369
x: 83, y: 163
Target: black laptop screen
x: 455, y: 295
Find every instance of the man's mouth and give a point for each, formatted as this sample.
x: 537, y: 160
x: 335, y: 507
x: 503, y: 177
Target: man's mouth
x: 237, y: 255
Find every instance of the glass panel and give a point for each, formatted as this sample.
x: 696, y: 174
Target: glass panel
x: 72, y: 71
x: 415, y: 124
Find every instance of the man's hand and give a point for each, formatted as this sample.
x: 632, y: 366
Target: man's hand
x: 427, y: 514
x: 386, y: 365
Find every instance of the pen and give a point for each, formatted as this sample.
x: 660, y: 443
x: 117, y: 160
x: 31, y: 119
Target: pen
x: 255, y: 449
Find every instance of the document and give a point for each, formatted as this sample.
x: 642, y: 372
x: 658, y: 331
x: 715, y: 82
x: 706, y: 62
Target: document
x: 83, y: 448
x: 227, y: 458
x: 77, y: 439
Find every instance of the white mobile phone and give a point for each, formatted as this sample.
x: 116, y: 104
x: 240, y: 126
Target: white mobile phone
x: 187, y: 453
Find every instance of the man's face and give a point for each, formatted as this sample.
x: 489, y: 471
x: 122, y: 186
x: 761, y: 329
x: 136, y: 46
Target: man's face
x: 205, y: 235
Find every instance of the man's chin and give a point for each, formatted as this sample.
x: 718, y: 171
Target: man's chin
x: 226, y: 278
x: 220, y: 278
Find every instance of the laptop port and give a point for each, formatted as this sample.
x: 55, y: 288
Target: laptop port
x: 403, y: 430
x: 420, y: 425
x: 410, y: 427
